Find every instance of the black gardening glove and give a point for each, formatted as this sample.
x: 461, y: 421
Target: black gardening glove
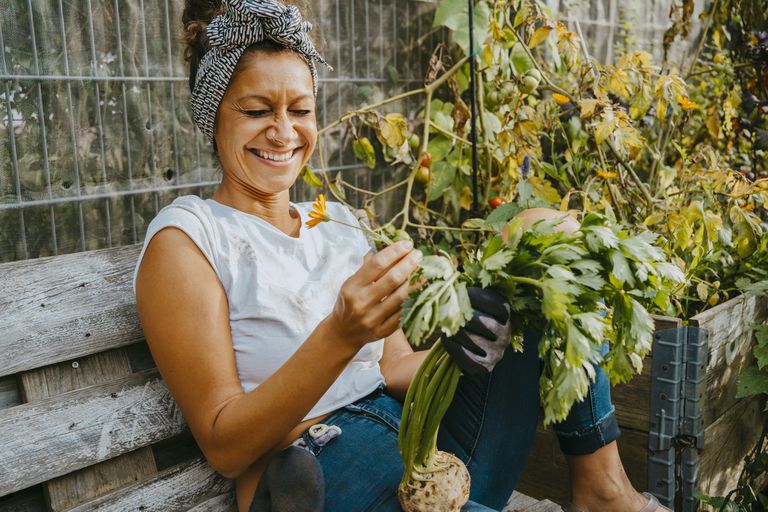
x: 479, y: 345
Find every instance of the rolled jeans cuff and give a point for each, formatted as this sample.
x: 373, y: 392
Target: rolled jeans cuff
x: 590, y: 439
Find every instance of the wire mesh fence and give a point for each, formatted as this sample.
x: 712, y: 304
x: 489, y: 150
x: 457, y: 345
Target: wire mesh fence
x: 94, y: 111
x: 95, y: 130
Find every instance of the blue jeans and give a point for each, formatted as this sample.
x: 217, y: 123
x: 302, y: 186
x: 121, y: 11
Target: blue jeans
x: 490, y: 426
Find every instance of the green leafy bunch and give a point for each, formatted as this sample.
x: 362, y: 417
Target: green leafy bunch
x: 578, y: 290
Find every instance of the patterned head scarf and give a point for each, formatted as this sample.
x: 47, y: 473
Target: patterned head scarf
x: 243, y: 23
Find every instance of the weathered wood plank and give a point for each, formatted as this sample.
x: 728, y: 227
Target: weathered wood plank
x: 69, y: 490
x: 9, y: 392
x: 730, y: 348
x: 726, y: 443
x: 518, y: 502
x: 64, y: 307
x: 546, y: 473
x: 54, y: 436
x: 175, y: 489
x: 224, y: 503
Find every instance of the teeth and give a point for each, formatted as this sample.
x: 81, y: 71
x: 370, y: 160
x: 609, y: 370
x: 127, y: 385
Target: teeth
x: 277, y: 157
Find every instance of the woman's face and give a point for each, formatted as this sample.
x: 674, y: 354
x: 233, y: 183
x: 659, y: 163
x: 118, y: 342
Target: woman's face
x: 265, y: 127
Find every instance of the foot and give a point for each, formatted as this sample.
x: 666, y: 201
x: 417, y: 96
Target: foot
x: 649, y: 504
x: 599, y: 483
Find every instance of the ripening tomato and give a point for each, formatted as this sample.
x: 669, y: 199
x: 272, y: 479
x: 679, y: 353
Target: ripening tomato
x: 422, y: 174
x: 426, y: 160
x: 495, y: 202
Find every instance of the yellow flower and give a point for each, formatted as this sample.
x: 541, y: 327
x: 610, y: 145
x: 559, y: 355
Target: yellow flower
x: 606, y: 175
x: 318, y: 213
x: 560, y: 99
x: 686, y: 103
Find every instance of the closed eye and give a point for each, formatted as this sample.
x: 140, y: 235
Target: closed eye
x: 256, y: 113
x: 301, y: 112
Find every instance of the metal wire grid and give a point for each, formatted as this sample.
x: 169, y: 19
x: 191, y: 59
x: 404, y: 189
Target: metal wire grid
x: 640, y: 23
x: 42, y: 213
x: 89, y: 198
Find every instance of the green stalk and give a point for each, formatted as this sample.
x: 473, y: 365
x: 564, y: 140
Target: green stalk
x: 428, y: 398
x: 409, y: 429
x: 436, y: 384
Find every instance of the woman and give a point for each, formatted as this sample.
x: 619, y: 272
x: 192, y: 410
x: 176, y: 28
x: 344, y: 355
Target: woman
x: 262, y: 328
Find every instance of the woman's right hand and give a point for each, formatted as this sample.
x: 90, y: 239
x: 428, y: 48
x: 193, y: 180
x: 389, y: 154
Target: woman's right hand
x: 369, y: 303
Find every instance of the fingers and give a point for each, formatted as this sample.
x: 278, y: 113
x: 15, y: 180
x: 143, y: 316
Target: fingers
x: 479, y: 325
x: 489, y: 302
x: 376, y: 265
x: 396, y: 276
x: 393, y: 302
x: 390, y: 325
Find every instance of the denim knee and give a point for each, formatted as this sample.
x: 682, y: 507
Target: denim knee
x: 591, y: 424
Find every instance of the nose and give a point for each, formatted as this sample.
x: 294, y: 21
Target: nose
x: 282, y: 129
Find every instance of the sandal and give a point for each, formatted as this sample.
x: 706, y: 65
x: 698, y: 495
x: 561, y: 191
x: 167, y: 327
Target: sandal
x: 653, y: 504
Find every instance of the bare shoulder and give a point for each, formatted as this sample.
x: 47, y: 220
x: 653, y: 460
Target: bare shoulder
x: 531, y: 215
x: 184, y: 313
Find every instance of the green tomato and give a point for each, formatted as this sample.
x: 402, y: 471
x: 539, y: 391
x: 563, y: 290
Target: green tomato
x: 413, y: 141
x: 493, y: 98
x: 530, y: 81
x: 401, y: 234
x: 508, y: 91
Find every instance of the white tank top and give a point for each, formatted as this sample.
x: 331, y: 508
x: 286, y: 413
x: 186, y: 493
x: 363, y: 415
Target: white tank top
x: 279, y: 287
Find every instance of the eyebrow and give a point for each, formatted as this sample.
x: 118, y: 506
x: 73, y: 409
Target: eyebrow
x: 268, y: 100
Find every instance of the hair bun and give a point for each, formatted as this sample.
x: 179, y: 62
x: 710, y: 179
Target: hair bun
x: 196, y: 17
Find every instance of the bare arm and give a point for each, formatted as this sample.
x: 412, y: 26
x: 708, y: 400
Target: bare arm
x: 399, y: 364
x: 186, y: 323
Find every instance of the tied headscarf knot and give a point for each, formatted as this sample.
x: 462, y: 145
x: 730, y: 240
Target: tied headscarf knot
x: 243, y: 23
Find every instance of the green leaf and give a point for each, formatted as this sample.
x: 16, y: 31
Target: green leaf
x: 752, y: 381
x: 439, y: 147
x: 761, y: 345
x: 621, y: 268
x: 451, y: 14
x: 555, y: 299
x: 498, y: 261
x: 501, y: 215
x: 364, y: 151
x: 310, y: 178
x: 436, y: 267
x: 481, y: 18
x: 442, y: 177
x: 492, y: 123
x: 521, y: 62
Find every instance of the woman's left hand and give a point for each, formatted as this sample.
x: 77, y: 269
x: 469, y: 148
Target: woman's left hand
x: 478, y: 346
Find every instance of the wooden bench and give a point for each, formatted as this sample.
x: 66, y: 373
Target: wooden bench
x: 86, y: 422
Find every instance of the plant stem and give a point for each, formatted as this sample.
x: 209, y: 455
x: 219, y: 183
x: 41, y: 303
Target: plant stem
x: 704, y: 33
x: 524, y: 280
x: 445, y: 228
x: 646, y: 194
x: 324, y: 173
x: 370, y: 107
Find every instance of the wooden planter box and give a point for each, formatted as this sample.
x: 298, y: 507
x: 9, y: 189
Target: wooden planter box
x: 683, y: 430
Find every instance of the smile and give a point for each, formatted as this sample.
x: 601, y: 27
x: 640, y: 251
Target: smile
x: 274, y: 157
